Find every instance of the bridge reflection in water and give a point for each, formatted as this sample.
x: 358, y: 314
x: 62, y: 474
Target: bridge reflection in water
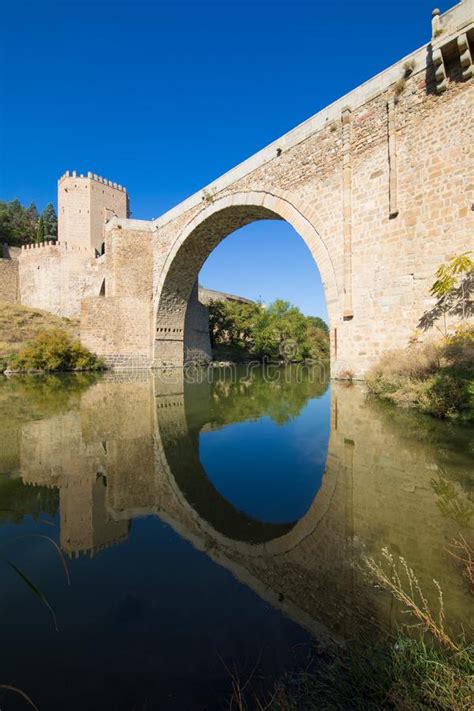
x: 130, y: 447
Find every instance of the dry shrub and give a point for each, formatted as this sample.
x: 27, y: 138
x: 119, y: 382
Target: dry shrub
x: 463, y: 553
x: 417, y: 361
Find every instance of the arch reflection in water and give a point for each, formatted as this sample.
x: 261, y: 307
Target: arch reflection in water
x: 250, y: 457
x: 127, y: 448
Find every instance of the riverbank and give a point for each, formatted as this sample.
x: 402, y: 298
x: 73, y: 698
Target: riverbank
x: 21, y: 324
x: 36, y: 341
x: 435, y: 377
x: 421, y: 665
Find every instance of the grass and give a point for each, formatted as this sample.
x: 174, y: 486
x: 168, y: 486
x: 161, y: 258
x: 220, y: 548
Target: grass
x: 19, y: 324
x: 421, y: 667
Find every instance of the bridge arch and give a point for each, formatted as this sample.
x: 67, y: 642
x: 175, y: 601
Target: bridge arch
x: 219, y: 218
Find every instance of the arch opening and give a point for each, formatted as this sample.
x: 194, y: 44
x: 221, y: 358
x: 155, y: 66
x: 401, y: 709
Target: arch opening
x: 194, y: 245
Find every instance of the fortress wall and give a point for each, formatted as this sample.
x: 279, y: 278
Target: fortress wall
x: 55, y: 278
x: 9, y: 280
x: 73, y: 210
x: 129, y: 259
x: 117, y: 329
x: 106, y: 200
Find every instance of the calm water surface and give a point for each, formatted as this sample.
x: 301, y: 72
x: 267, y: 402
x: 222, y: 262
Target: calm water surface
x: 206, y: 526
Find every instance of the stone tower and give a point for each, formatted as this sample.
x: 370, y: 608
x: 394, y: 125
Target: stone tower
x: 85, y: 204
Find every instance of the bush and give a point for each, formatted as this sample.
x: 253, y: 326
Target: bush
x: 54, y: 350
x: 446, y: 395
x: 434, y: 378
x: 458, y: 349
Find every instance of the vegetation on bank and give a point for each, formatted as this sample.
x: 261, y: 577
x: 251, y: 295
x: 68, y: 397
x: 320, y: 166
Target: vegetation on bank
x: 35, y: 340
x: 278, y: 332
x: 54, y: 350
x: 22, y: 225
x: 20, y: 324
x: 436, y: 376
x: 421, y: 667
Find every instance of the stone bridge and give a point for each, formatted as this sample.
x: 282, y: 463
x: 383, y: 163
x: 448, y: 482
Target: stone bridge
x: 379, y: 185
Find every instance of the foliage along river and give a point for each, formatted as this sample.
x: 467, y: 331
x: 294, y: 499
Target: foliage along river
x: 208, y: 527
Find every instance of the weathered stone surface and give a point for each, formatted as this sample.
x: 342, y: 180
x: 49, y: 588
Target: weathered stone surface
x: 9, y: 280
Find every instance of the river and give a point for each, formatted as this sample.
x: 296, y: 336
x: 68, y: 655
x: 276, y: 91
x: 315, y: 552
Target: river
x: 208, y: 526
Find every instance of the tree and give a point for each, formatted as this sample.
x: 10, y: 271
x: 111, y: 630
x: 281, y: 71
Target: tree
x: 453, y: 289
x: 50, y: 222
x: 40, y: 232
x: 279, y: 332
x: 17, y: 224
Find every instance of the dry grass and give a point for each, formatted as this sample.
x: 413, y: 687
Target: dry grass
x: 412, y: 597
x: 417, y: 361
x: 20, y: 324
x: 436, y: 378
x: 407, y: 673
x: 463, y: 553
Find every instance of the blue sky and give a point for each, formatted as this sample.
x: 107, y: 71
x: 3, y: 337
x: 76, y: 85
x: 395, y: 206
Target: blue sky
x: 163, y: 96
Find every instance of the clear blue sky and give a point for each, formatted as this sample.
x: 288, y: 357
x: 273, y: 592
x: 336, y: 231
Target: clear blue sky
x: 163, y: 96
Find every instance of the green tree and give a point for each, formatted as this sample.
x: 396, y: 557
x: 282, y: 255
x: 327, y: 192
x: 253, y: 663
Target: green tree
x: 18, y: 224
x: 50, y: 222
x: 453, y: 290
x: 40, y: 230
x: 279, y: 332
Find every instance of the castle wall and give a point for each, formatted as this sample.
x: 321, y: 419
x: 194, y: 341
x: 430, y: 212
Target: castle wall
x: 9, y: 280
x: 55, y: 277
x: 117, y: 328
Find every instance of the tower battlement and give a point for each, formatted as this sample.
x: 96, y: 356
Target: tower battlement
x: 91, y: 176
x: 85, y: 204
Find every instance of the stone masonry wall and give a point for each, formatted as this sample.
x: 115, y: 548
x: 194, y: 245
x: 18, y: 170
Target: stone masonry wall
x: 55, y: 277
x: 85, y: 204
x: 9, y: 280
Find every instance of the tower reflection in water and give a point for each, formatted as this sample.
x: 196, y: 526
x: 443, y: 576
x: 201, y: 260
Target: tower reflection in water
x: 128, y: 447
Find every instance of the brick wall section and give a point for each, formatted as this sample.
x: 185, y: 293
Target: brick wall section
x: 9, y: 280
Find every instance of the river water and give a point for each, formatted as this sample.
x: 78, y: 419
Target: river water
x: 208, y: 527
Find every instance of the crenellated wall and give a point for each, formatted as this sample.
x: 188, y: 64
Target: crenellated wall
x: 85, y: 204
x: 55, y: 277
